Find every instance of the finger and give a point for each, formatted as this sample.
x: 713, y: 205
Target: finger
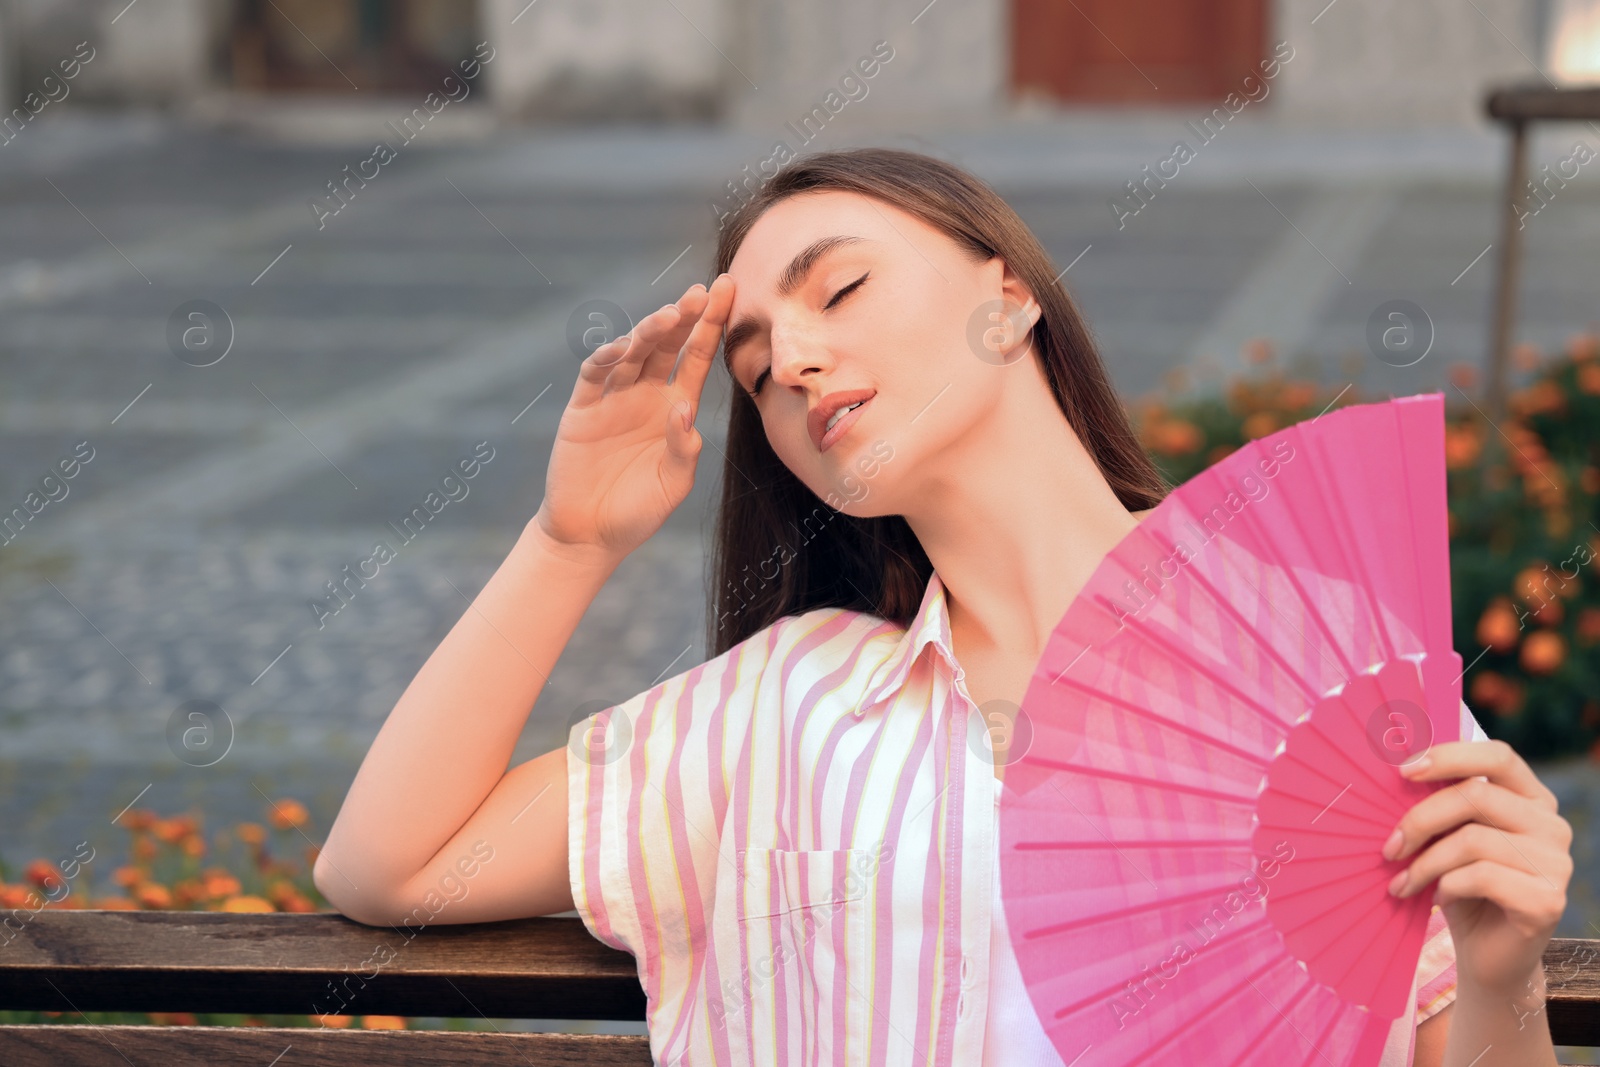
x: 1476, y: 841
x: 1474, y: 800
x: 683, y: 440
x: 1526, y: 899
x: 642, y: 341
x: 701, y: 349
x: 1495, y: 760
x: 657, y: 367
x: 594, y: 370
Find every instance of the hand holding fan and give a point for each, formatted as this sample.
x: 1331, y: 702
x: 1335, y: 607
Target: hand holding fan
x: 1191, y: 847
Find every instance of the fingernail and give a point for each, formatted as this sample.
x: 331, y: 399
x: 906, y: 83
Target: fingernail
x: 1397, y: 884
x: 1391, y: 847
x: 1416, y: 766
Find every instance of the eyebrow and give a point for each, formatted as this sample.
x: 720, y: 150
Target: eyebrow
x: 792, y: 277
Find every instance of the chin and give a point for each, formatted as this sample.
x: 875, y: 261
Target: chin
x: 860, y: 487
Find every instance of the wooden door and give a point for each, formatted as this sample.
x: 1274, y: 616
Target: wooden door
x: 1135, y: 51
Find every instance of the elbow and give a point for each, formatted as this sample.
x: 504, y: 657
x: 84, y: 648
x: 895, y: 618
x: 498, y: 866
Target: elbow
x: 347, y: 899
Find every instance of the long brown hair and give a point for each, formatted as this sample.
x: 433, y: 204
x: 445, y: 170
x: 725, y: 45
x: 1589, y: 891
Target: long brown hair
x: 777, y: 549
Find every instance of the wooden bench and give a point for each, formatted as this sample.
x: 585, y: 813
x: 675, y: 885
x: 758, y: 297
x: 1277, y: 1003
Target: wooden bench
x: 72, y: 961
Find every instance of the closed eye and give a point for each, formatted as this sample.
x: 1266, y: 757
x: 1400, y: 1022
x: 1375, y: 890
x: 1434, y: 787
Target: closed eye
x: 761, y: 378
x: 846, y: 290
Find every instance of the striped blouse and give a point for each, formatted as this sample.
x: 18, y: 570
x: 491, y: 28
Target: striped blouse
x: 815, y: 884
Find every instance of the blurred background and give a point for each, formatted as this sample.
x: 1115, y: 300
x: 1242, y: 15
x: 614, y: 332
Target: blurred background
x: 270, y: 269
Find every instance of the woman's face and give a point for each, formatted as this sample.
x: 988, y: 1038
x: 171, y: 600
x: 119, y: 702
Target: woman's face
x: 840, y: 298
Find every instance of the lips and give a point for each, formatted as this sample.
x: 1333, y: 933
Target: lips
x: 824, y: 436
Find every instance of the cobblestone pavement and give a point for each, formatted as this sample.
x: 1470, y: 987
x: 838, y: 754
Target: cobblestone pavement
x: 430, y: 315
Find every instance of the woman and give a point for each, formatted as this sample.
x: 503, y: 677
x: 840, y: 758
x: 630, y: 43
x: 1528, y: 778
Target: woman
x: 797, y: 837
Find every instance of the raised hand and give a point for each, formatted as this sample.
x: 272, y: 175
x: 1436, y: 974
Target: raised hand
x: 625, y: 453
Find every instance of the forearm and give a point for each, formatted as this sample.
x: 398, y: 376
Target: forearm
x: 450, y: 738
x: 1491, y: 1028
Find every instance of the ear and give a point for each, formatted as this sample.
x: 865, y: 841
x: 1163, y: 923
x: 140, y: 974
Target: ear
x: 1022, y: 312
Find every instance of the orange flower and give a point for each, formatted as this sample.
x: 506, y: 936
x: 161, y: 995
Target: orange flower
x: 382, y: 1022
x: 287, y: 813
x: 246, y: 904
x: 1176, y: 437
x: 137, y: 819
x: 1529, y: 584
x: 43, y: 873
x: 1464, y: 375
x: 1589, y: 378
x: 194, y: 845
x: 1525, y: 356
x: 173, y: 1018
x: 251, y: 833
x: 1550, y: 613
x: 1589, y: 479
x: 337, y: 1022
x: 1589, y: 626
x: 1499, y: 626
x: 17, y: 896
x: 1298, y: 395
x: 1219, y: 453
x: 1462, y: 446
x: 1258, y: 351
x: 1259, y: 425
x: 127, y: 877
x: 152, y: 896
x: 172, y: 831
x: 1495, y: 692
x: 144, y: 848
x: 1543, y: 652
x: 219, y: 883
x: 1542, y: 396
x: 1583, y: 346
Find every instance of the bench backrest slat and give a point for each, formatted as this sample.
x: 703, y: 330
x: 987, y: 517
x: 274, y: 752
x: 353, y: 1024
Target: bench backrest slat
x: 206, y: 1046
x: 325, y: 964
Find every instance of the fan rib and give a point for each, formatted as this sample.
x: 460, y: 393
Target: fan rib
x: 1341, y: 535
x: 1155, y: 637
x: 1186, y: 730
x: 1262, y: 643
x: 1221, y: 939
x: 1282, y: 1020
x: 1249, y: 979
x: 1134, y: 779
x: 1123, y: 913
x: 1270, y: 550
x: 1106, y: 846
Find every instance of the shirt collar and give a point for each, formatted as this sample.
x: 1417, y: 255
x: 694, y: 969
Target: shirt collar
x: 930, y: 626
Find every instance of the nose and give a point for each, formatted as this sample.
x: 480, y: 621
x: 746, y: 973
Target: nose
x: 796, y: 354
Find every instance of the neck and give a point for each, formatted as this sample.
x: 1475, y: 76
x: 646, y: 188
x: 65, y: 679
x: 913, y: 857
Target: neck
x: 1015, y: 522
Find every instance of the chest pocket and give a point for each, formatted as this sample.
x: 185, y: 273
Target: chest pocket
x: 805, y: 920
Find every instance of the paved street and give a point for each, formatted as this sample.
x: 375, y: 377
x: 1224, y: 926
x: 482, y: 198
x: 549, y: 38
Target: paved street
x: 430, y: 314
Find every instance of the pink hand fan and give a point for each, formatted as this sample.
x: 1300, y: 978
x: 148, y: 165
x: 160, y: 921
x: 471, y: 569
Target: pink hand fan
x: 1191, y: 847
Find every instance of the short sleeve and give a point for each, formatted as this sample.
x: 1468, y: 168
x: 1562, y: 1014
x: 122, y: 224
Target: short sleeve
x: 647, y: 790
